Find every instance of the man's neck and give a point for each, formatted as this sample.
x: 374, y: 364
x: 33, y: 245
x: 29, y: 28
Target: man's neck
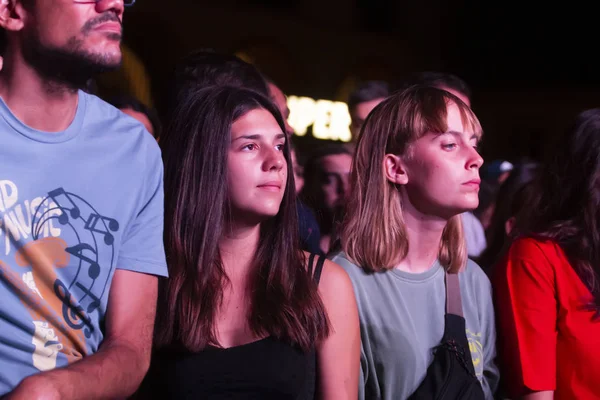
x: 424, y: 236
x: 38, y: 103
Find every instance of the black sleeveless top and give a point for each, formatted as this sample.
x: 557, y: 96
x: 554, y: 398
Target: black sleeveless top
x: 264, y: 369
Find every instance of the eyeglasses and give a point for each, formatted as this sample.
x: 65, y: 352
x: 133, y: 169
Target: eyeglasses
x: 126, y: 3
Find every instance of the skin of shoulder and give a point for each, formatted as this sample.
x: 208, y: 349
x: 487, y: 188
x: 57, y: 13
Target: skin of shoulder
x: 339, y: 354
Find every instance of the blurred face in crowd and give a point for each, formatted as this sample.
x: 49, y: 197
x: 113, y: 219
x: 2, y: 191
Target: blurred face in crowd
x: 280, y: 101
x: 336, y: 174
x: 257, y: 168
x: 360, y: 113
x: 140, y: 116
x: 67, y: 35
x: 298, y: 172
x: 442, y: 170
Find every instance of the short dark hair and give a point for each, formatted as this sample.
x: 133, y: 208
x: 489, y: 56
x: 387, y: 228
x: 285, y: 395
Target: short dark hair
x: 447, y: 80
x: 206, y: 67
x: 124, y: 102
x: 368, y: 91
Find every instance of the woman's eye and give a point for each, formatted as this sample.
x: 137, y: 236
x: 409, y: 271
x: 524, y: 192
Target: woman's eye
x: 280, y: 147
x: 250, y: 147
x: 449, y: 146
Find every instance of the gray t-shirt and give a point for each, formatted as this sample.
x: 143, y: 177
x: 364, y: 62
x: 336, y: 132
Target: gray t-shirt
x: 402, y: 320
x: 474, y: 234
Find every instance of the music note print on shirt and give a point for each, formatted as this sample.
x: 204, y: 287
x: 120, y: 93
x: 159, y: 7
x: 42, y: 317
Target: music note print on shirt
x: 73, y: 210
x: 68, y: 304
x: 113, y: 225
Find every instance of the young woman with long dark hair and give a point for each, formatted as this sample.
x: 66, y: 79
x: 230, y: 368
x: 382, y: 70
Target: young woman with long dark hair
x: 547, y: 287
x: 415, y: 170
x: 245, y: 313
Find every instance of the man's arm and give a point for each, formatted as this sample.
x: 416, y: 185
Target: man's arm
x: 119, y: 366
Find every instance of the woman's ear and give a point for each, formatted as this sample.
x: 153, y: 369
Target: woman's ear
x: 395, y: 170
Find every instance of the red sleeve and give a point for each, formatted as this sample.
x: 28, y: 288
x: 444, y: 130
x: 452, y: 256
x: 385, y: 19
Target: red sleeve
x: 526, y: 308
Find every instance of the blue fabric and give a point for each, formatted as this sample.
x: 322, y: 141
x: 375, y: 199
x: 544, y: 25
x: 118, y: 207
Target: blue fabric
x: 74, y: 206
x: 310, y: 235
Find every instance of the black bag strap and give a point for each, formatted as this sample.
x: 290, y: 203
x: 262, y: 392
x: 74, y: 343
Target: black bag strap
x: 318, y: 269
x: 453, y: 297
x: 311, y: 262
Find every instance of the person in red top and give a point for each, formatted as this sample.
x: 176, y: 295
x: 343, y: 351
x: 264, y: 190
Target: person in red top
x: 547, y: 287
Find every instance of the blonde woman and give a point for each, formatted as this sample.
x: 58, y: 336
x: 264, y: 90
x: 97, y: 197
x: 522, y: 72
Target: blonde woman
x: 416, y: 169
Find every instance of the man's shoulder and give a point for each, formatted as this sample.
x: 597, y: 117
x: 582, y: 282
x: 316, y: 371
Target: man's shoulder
x: 102, y: 113
x: 110, y: 123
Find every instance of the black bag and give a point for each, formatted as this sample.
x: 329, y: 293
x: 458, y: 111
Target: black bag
x: 451, y: 375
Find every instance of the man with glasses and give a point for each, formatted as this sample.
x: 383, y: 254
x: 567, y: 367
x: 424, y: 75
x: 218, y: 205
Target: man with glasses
x: 81, y: 210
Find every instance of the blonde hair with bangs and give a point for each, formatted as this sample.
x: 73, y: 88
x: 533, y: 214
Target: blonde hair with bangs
x: 374, y: 235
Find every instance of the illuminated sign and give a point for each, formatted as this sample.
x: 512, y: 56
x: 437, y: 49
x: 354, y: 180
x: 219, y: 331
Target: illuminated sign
x: 329, y: 119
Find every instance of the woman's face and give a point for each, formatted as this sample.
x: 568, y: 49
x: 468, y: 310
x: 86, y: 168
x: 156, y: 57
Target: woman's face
x: 443, y: 170
x: 257, y: 168
x: 336, y: 182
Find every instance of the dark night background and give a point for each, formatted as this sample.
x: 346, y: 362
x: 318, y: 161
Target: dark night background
x: 532, y: 66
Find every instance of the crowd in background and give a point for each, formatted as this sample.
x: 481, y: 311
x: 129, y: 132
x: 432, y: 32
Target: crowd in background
x: 204, y: 255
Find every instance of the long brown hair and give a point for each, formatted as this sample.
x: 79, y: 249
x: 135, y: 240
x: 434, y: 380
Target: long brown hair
x: 564, y: 202
x: 284, y: 299
x: 374, y: 235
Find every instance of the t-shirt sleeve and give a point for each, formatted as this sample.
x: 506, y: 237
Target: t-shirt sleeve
x: 142, y: 249
x: 527, y: 311
x: 362, y: 379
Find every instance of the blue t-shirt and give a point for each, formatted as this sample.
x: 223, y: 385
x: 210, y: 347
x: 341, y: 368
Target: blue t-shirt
x: 74, y: 206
